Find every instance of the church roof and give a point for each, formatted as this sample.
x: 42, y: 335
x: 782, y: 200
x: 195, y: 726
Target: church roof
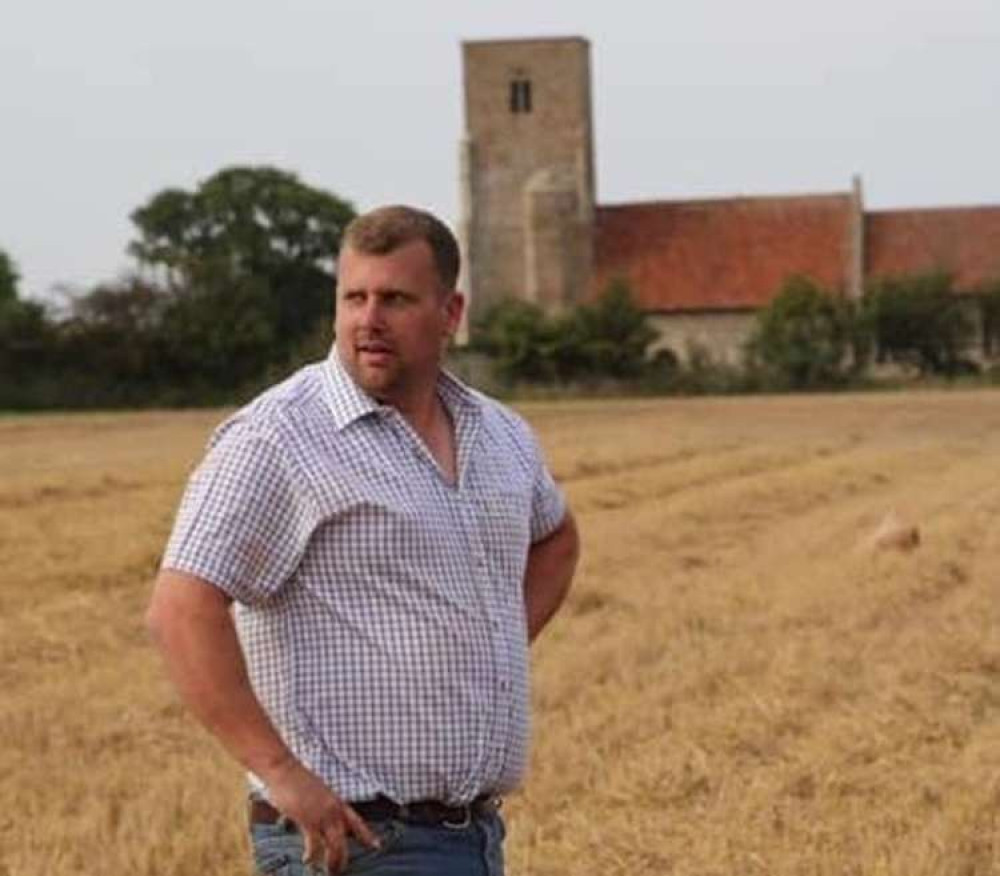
x: 721, y: 254
x: 965, y: 241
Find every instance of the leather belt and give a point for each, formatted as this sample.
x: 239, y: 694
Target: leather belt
x: 424, y: 812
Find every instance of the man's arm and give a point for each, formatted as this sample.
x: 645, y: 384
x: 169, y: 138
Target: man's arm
x: 551, y: 563
x: 190, y: 622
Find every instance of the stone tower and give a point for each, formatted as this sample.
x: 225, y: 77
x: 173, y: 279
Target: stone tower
x: 527, y: 172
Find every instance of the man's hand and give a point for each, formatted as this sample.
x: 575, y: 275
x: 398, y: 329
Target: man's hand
x: 324, y: 819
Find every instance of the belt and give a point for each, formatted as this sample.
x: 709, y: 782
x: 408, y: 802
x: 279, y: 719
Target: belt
x: 429, y: 813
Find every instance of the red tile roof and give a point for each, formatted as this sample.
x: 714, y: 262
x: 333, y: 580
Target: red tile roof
x: 962, y: 240
x: 721, y: 254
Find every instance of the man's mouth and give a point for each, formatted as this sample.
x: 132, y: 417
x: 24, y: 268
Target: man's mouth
x: 376, y: 351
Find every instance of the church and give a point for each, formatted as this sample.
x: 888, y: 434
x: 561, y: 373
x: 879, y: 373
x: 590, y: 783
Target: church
x: 531, y: 226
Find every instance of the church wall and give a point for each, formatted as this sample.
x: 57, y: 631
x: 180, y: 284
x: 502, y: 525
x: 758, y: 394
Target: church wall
x: 722, y: 335
x: 530, y: 227
x: 505, y: 149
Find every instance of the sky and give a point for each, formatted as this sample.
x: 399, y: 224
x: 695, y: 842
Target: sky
x: 106, y: 102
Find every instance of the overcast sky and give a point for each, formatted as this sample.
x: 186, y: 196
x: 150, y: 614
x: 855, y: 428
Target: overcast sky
x: 105, y: 102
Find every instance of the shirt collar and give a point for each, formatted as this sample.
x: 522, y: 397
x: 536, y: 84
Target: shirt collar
x: 348, y: 402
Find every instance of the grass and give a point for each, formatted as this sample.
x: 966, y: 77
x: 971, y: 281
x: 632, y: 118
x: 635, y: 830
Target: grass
x: 736, y: 683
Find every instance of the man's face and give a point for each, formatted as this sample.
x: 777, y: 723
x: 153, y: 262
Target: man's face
x: 394, y: 318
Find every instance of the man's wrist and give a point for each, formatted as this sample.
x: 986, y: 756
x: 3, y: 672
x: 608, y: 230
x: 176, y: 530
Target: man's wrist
x: 275, y: 767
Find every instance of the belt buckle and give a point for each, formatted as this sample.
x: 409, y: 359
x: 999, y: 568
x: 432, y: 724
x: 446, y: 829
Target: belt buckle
x: 459, y: 825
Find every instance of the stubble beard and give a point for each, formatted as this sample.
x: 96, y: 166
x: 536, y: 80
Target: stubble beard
x: 379, y: 381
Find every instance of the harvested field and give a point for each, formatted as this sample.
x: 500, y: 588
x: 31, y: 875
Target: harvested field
x: 739, y: 682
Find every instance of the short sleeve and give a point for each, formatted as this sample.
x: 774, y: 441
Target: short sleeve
x: 244, y: 522
x: 548, y: 506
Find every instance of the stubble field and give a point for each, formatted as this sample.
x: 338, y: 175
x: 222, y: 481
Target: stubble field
x: 738, y: 683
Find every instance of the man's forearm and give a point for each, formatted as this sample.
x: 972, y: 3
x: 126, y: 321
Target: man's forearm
x: 549, y: 572
x: 191, y: 624
x: 190, y: 621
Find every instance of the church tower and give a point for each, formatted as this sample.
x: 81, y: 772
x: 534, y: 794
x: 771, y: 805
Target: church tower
x: 527, y: 172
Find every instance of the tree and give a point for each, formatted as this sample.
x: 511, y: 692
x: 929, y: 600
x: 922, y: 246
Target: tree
x: 989, y: 305
x: 609, y: 338
x: 189, y: 344
x: 26, y: 339
x: 114, y: 328
x: 606, y: 339
x: 250, y: 225
x: 804, y: 337
x: 9, y: 279
x: 920, y: 321
x: 218, y: 332
x: 522, y: 340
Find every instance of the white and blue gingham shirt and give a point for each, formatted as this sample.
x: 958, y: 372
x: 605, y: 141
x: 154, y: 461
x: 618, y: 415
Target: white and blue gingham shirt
x: 380, y: 607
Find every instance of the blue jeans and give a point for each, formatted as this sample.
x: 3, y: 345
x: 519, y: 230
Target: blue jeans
x: 407, y: 850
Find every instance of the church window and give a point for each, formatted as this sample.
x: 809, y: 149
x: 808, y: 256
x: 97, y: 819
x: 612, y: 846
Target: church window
x: 520, y: 96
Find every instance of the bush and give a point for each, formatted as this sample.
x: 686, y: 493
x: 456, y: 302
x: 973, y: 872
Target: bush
x: 989, y: 309
x: 806, y: 338
x: 607, y: 339
x: 9, y: 279
x: 594, y: 343
x: 920, y: 322
x: 522, y: 340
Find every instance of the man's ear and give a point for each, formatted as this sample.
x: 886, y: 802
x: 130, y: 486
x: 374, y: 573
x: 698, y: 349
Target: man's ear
x: 455, y: 307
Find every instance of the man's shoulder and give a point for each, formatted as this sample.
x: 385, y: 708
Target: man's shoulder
x: 497, y: 414
x: 505, y: 425
x: 281, y: 412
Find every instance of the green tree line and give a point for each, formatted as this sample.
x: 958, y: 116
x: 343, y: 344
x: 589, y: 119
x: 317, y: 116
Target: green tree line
x: 233, y: 286
x: 808, y: 337
x: 233, y: 282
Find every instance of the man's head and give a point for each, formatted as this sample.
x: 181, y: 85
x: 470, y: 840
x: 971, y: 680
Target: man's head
x: 396, y: 303
x: 385, y: 229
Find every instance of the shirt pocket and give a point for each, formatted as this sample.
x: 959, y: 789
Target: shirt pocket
x: 505, y: 526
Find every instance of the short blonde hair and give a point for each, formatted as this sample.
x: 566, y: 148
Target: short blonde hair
x: 385, y: 229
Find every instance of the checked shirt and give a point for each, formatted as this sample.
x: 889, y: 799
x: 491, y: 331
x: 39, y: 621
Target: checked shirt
x: 379, y: 607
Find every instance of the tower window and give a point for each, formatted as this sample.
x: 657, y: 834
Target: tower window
x: 520, y: 96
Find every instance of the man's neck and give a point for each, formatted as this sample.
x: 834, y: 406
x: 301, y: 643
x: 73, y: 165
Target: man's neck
x: 421, y: 411
x: 431, y: 420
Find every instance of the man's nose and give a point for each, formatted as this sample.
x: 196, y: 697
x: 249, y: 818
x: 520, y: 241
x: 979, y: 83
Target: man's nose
x: 372, y: 313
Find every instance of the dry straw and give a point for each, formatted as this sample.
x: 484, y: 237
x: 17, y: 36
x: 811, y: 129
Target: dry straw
x: 733, y: 687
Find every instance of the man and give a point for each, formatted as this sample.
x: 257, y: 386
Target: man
x: 355, y: 573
